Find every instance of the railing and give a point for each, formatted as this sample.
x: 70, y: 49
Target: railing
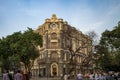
x: 54, y: 59
x: 42, y: 60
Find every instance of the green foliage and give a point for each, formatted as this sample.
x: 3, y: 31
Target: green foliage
x: 20, y: 47
x: 118, y: 57
x: 110, y: 47
x: 29, y: 50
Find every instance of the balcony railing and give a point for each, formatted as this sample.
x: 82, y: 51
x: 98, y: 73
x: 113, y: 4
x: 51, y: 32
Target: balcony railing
x: 41, y: 61
x: 54, y: 59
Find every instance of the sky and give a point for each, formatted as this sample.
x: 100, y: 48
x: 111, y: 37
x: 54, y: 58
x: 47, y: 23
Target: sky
x: 85, y: 15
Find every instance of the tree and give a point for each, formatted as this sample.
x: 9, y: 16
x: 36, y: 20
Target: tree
x: 14, y: 49
x: 5, y: 51
x: 93, y: 35
x: 20, y: 47
x: 72, y: 35
x: 104, y: 57
x: 110, y: 44
x: 29, y: 52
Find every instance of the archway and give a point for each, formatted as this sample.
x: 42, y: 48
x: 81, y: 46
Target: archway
x: 54, y: 69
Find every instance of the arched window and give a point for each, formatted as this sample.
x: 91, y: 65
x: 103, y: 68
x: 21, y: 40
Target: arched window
x: 54, y: 55
x: 53, y: 36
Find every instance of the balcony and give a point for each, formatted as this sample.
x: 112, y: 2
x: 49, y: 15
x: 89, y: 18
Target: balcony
x: 42, y: 61
x: 54, y: 59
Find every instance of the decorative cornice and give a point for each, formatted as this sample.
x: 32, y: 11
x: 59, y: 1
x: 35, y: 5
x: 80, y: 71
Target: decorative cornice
x: 54, y: 19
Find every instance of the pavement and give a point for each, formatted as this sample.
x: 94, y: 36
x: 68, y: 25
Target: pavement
x: 45, y: 78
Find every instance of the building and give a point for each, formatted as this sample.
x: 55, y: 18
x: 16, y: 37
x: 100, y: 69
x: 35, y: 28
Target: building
x: 64, y: 48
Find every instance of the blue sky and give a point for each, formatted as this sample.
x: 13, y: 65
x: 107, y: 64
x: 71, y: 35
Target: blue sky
x: 85, y: 15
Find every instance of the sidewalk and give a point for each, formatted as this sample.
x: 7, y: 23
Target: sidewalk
x: 45, y: 78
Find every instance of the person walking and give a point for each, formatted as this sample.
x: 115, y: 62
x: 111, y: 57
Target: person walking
x: 65, y: 77
x: 79, y: 76
x: 118, y: 76
x: 5, y: 75
x: 18, y: 76
x: 91, y: 76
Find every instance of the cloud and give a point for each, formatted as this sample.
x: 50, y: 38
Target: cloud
x: 84, y: 15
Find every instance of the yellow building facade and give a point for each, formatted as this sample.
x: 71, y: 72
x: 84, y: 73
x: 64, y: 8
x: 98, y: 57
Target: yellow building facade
x: 62, y: 46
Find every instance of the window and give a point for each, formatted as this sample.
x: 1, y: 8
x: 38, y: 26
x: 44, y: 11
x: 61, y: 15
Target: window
x: 54, y: 55
x: 53, y: 36
x: 54, y: 45
x: 65, y: 56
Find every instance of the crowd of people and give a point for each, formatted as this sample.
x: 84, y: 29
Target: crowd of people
x: 17, y: 75
x: 95, y: 76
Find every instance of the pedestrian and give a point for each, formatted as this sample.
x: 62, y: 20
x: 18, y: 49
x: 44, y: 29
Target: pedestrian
x: 61, y: 75
x: 24, y: 76
x: 18, y: 76
x: 96, y: 76
x: 10, y: 76
x: 79, y: 76
x: 65, y: 77
x: 5, y: 75
x: 118, y: 76
x: 91, y: 76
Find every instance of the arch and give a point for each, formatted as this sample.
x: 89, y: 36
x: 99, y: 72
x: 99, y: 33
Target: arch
x: 54, y: 55
x: 54, y: 69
